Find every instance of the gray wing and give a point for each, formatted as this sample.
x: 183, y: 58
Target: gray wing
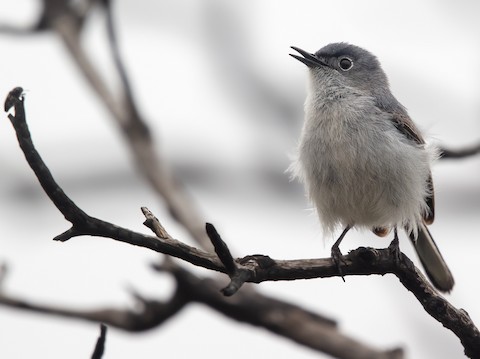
x: 405, y: 125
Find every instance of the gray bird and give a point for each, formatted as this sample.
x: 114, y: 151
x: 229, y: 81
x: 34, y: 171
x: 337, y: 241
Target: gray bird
x: 363, y: 161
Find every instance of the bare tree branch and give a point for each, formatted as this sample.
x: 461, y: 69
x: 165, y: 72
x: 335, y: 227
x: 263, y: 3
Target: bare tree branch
x: 256, y: 268
x: 134, y: 128
x: 148, y: 314
x: 282, y: 318
x: 67, y: 21
x: 287, y: 320
x: 446, y: 153
x: 100, y: 346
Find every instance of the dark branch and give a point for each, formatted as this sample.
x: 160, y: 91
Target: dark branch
x: 148, y: 315
x: 282, y: 318
x: 285, y: 319
x: 221, y: 249
x: 256, y: 268
x: 239, y: 274
x: 460, y: 153
x: 154, y: 224
x: 83, y: 224
x: 100, y: 346
x: 73, y: 214
x: 135, y: 124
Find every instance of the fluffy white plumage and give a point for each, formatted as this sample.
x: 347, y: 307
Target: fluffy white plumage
x: 359, y: 170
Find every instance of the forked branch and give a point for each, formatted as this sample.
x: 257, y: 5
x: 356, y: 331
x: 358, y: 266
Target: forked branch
x: 254, y: 268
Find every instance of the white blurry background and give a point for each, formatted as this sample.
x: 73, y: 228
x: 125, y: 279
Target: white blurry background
x: 224, y: 101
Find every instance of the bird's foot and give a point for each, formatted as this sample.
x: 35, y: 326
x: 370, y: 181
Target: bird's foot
x: 394, y: 248
x: 339, y: 260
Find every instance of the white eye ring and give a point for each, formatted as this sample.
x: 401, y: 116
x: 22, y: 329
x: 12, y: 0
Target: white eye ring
x: 345, y: 63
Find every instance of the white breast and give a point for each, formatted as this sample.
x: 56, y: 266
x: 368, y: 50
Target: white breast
x: 357, y: 167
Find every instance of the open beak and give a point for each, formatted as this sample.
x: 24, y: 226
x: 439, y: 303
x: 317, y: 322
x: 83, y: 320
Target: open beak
x: 308, y: 59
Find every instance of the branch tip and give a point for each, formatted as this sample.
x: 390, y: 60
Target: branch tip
x: 100, y: 346
x: 236, y: 282
x: 446, y: 153
x: 13, y: 98
x: 154, y: 224
x: 221, y: 249
x: 65, y: 236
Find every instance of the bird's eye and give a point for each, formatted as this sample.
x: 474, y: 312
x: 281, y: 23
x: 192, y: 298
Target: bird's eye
x: 345, y: 63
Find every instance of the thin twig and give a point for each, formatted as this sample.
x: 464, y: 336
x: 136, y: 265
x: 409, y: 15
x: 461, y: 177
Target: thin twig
x: 154, y: 224
x: 150, y: 315
x: 132, y: 111
x: 100, y: 346
x: 221, y: 249
x: 446, y: 153
x: 238, y: 273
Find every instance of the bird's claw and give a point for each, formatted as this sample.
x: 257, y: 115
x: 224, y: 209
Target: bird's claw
x: 394, y: 248
x: 338, y: 259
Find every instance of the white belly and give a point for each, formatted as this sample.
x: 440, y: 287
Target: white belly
x: 360, y: 170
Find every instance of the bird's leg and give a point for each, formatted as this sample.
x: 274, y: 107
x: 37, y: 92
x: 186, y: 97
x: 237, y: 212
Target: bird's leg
x: 337, y: 254
x: 395, y: 247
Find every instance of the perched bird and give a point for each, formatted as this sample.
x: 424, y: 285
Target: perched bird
x: 363, y: 161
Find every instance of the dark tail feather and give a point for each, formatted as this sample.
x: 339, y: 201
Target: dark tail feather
x: 432, y: 260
